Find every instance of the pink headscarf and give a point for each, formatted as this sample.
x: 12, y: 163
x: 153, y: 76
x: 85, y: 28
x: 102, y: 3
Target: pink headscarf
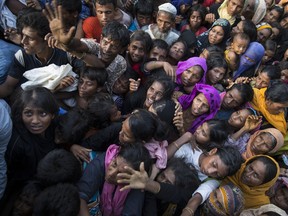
x: 112, y: 199
x: 184, y: 65
x: 212, y: 97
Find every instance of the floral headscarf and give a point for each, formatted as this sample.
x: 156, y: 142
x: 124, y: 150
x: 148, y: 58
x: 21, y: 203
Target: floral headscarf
x: 202, y: 40
x: 212, y: 97
x: 251, y: 58
x: 184, y: 65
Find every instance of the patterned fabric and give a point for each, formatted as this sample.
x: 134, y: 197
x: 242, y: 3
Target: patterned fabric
x: 232, y: 199
x: 212, y: 97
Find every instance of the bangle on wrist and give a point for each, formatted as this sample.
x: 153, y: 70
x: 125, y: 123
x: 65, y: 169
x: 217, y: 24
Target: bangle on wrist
x: 191, y: 212
x: 176, y: 145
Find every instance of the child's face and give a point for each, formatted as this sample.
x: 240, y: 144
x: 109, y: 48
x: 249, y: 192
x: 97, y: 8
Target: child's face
x: 231, y: 60
x: 238, y: 118
x: 213, y: 166
x: 195, y: 20
x: 126, y: 135
x: 136, y: 51
x: 144, y: 19
x: 177, y: 51
x: 191, y: 76
x: 239, y: 45
x: 158, y: 53
x: 268, y: 56
x: 109, y: 49
x: 36, y: 120
x: 262, y: 80
x: 86, y: 87
x: 105, y: 13
x: 202, y: 133
x: 216, y: 74
x: 121, y: 85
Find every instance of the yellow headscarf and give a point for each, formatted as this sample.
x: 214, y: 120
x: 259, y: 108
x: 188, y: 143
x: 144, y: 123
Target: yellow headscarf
x: 254, y: 196
x: 223, y: 13
x: 258, y: 103
x: 274, y: 132
x: 263, y: 25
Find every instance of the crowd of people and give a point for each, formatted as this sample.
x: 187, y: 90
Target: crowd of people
x: 143, y: 107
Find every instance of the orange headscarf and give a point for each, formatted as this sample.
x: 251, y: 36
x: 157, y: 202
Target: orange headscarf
x: 254, y: 196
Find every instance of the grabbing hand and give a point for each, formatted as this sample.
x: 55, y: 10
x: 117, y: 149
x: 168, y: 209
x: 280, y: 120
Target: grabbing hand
x: 134, y: 84
x: 169, y: 70
x: 210, y: 18
x: 133, y: 178
x: 64, y: 83
x: 80, y: 152
x: 252, y: 122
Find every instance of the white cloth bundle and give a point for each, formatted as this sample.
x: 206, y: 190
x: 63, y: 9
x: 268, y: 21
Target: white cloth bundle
x: 49, y: 77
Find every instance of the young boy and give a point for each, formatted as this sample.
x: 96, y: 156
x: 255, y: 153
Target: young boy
x: 240, y: 42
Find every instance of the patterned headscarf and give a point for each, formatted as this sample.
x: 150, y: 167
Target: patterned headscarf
x: 212, y: 97
x: 263, y: 25
x: 184, y: 65
x: 202, y: 40
x: 232, y: 198
x: 251, y: 58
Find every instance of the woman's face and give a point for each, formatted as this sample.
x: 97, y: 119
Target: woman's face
x: 263, y: 35
x: 177, y: 51
x: 274, y: 107
x: 248, y: 13
x: 126, y: 135
x: 272, y: 16
x: 262, y: 143
x: 167, y: 176
x: 239, y: 28
x: 202, y: 133
x: 86, y: 87
x: 116, y: 166
x: 234, y: 7
x: 195, y: 20
x: 280, y: 198
x: 262, y: 80
x: 154, y: 93
x: 216, y: 74
x: 36, y: 120
x: 191, y: 76
x: 238, y: 118
x: 200, y: 105
x: 216, y: 35
x: 254, y: 174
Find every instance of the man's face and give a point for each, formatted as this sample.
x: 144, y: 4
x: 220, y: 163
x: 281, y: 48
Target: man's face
x: 109, y: 49
x: 164, y: 22
x: 144, y: 19
x: 32, y: 42
x: 105, y: 13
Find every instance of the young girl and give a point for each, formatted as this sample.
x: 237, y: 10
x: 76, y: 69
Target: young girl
x: 177, y: 52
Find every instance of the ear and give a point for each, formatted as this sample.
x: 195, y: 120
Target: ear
x: 212, y: 151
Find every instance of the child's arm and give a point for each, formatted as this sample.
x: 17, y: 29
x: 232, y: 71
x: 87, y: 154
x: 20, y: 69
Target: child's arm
x: 160, y: 64
x: 173, y: 147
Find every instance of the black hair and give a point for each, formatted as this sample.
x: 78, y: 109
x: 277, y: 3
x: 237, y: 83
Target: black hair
x: 185, y: 174
x: 24, y: 203
x: 58, y: 200
x: 250, y: 29
x: 272, y: 71
x: 231, y: 157
x: 134, y: 154
x: 39, y: 97
x: 161, y: 44
x: 283, y: 65
x: 97, y: 74
x: 144, y: 38
x: 105, y: 2
x: 218, y: 130
x: 116, y: 31
x: 143, y: 7
x: 242, y: 36
x: 215, y: 50
x: 245, y: 90
x: 72, y: 127
x: 277, y: 92
x: 280, y: 28
x: 145, y: 125
x: 199, y: 8
x: 189, y: 37
x: 278, y: 9
x: 165, y: 110
x: 216, y: 60
x: 270, y: 167
x: 100, y: 113
x: 270, y: 45
x: 71, y: 5
x: 58, y: 166
x: 179, y: 40
x: 35, y: 20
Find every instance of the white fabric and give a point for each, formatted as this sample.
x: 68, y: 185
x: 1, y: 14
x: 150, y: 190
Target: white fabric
x: 49, y: 77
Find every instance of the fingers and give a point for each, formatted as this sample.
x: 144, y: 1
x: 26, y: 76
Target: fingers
x: 67, y: 81
x: 54, y: 3
x: 48, y: 12
x: 142, y: 168
x: 134, y: 85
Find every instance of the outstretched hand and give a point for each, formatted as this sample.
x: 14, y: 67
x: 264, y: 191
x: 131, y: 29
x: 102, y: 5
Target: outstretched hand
x: 56, y: 23
x: 133, y: 178
x: 252, y: 122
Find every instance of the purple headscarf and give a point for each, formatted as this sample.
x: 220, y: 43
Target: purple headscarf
x: 254, y: 52
x: 212, y: 97
x: 184, y: 65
